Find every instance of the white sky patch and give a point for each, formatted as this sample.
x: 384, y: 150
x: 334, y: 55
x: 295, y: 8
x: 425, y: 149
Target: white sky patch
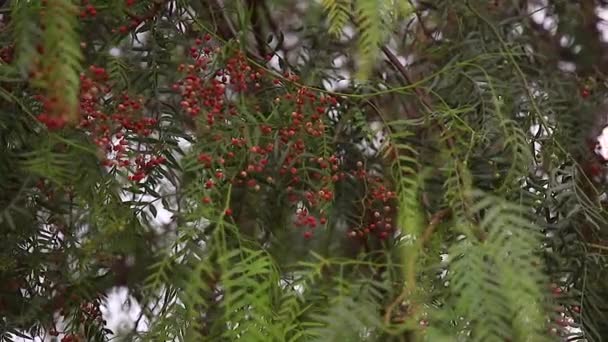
x: 371, y: 147
x: 182, y: 27
x: 566, y: 40
x: 437, y: 35
x: 602, y: 12
x: 602, y: 26
x: 121, y: 311
x: 602, y: 146
x: 140, y: 39
x: 340, y: 84
x: 339, y: 61
x: 566, y: 66
x: 403, y: 60
x: 538, y: 10
x: 303, y: 57
x: 115, y: 52
x: 518, y: 30
x: 184, y: 144
x: 163, y: 216
x: 290, y: 40
x: 273, y: 63
x: 347, y: 33
x: 550, y: 24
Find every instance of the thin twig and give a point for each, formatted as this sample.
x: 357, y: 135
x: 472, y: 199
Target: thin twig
x: 391, y: 307
x: 423, y: 96
x: 396, y: 64
x: 256, y: 26
x: 426, y: 31
x: 222, y: 7
x: 600, y: 247
x: 435, y: 220
x: 156, y: 7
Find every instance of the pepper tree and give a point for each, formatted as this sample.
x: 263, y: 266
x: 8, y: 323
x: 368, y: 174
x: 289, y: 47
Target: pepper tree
x: 339, y: 170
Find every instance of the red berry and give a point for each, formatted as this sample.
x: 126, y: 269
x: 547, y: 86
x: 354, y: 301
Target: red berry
x: 92, y: 11
x: 228, y: 212
x: 562, y: 322
x: 585, y: 92
x: 595, y: 170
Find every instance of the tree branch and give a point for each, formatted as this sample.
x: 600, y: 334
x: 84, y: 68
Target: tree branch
x: 435, y: 220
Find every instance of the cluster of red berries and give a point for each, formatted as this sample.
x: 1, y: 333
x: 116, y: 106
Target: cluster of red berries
x: 111, y: 121
x: 52, y: 122
x: 56, y: 113
x: 88, y: 10
x: 122, y: 29
x: 565, y: 316
x: 144, y: 167
x: 209, y: 96
x: 210, y: 93
x: 304, y: 219
x: 379, y: 211
x: 91, y: 311
x: 7, y: 54
x: 67, y: 337
x: 71, y: 338
x: 595, y: 166
x: 284, y: 152
x: 111, y: 130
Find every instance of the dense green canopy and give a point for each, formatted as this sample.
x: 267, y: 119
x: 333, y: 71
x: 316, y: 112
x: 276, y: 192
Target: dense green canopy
x: 334, y: 170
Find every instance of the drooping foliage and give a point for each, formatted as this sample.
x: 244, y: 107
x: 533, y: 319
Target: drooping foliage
x: 364, y: 170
